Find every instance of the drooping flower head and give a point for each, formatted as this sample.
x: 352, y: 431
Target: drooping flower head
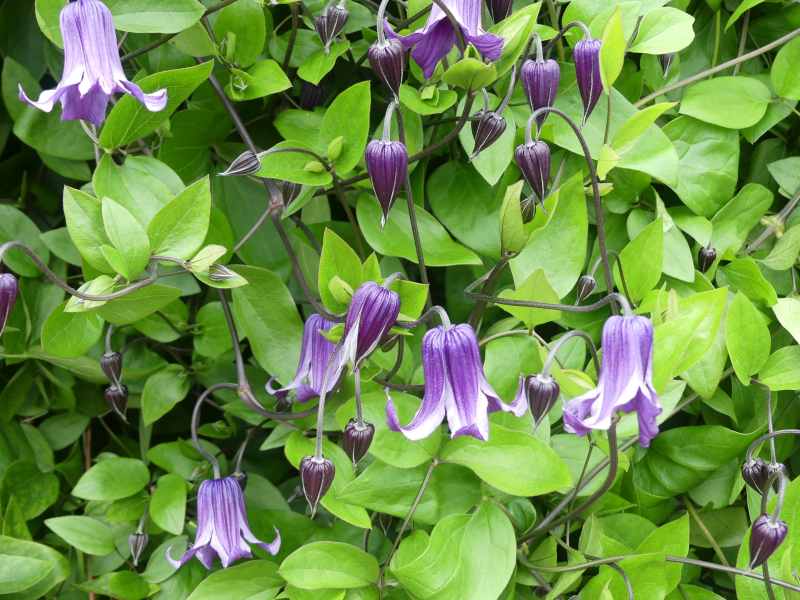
x: 625, y: 382
x: 540, y: 81
x: 533, y: 159
x: 387, y: 58
x: 222, y: 527
x: 767, y: 533
x: 316, y: 477
x: 372, y: 313
x: 586, y: 55
x: 92, y: 67
x: 387, y: 166
x: 540, y: 392
x: 330, y: 24
x: 432, y: 43
x: 8, y: 297
x: 455, y: 386
x: 357, y: 439
x: 315, y: 357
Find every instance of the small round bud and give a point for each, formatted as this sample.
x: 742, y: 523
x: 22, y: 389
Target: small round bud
x: 137, y: 542
x: 311, y: 95
x: 111, y: 364
x: 330, y: 24
x: 487, y: 128
x: 117, y: 399
x: 755, y: 473
x: 533, y: 160
x: 706, y: 258
x: 586, y: 285
x: 765, y: 537
x: 542, y: 392
x: 357, y: 439
x: 246, y: 163
x: 316, y: 477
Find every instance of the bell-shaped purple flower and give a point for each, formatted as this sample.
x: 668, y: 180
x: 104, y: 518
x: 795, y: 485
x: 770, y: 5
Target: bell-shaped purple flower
x: 499, y: 9
x: 587, y: 72
x: 533, y: 159
x: 388, y: 60
x: 222, y: 527
x: 372, y: 313
x: 316, y: 353
x: 766, y: 535
x: 625, y: 382
x: 387, y: 167
x: 432, y: 43
x: 540, y: 81
x: 540, y: 392
x: 92, y: 67
x: 487, y: 127
x: 331, y: 23
x: 455, y: 386
x: 8, y: 297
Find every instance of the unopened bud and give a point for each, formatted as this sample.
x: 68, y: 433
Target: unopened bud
x: 117, y: 400
x: 774, y: 473
x: 666, y: 61
x: 289, y: 191
x: 755, y: 473
x: 388, y: 61
x: 316, y: 477
x: 219, y: 273
x: 766, y: 535
x: 706, y: 258
x: 137, y: 542
x: 540, y: 81
x: 311, y: 95
x: 586, y: 285
x: 111, y: 364
x: 8, y: 297
x: 586, y: 55
x: 487, y: 128
x: 499, y: 9
x: 533, y: 159
x: 387, y: 167
x: 357, y: 439
x: 542, y: 392
x: 246, y: 163
x: 330, y: 24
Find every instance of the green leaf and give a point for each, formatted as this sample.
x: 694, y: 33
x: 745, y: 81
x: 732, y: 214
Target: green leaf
x: 47, y: 16
x: 730, y: 102
x: 637, y: 125
x: 787, y: 310
x: 612, y: 50
x: 439, y: 102
x: 514, y: 462
x: 69, y: 334
x: 266, y: 314
x: 786, y: 174
x: 321, y: 565
x: 179, y: 228
x: 129, y: 120
x: 320, y: 63
x: 253, y: 580
x: 746, y: 337
x: 395, y: 238
x: 123, y: 585
x: 733, y: 222
x: 470, y: 74
x: 744, y: 275
x: 347, y: 117
x: 492, y: 162
x: 641, y: 261
x: 18, y: 573
x: 33, y: 491
x: 536, y: 287
x: 784, y: 75
x: 167, y: 16
x: 262, y: 79
x: 241, y: 30
x: 743, y: 7
x: 291, y: 166
x: 516, y: 31
x: 559, y: 248
x: 128, y: 237
x: 782, y: 369
x: 338, y: 259
x: 162, y: 391
x: 83, y: 214
x: 84, y: 533
x: 11, y: 549
x: 512, y: 230
x: 168, y: 503
x: 111, y: 479
x: 16, y: 225
x: 213, y: 338
x: 139, y: 304
x: 664, y: 30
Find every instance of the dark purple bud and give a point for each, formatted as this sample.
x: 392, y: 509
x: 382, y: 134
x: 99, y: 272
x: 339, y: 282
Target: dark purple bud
x: 330, y: 24
x: 357, y: 439
x: 766, y: 535
x: 587, y: 71
x: 111, y: 363
x: 388, y: 60
x: 371, y: 314
x: 246, y: 163
x: 241, y: 479
x: 666, y: 61
x: 117, y: 400
x: 586, y: 285
x: 756, y: 474
x: 487, y: 127
x: 499, y: 9
x: 289, y: 191
x: 706, y: 258
x: 137, y: 542
x: 311, y: 95
x: 8, y: 297
x: 541, y: 392
x: 316, y: 476
x: 387, y: 166
x: 533, y: 160
x: 540, y: 81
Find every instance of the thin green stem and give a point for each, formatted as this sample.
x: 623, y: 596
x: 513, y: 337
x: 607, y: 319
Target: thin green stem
x: 706, y: 533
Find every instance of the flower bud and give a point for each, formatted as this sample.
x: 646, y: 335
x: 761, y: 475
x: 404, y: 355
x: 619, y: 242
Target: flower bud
x: 387, y: 166
x: 117, y: 399
x: 219, y: 273
x: 137, y: 542
x: 388, y: 61
x: 542, y: 392
x: 533, y: 159
x: 587, y: 71
x: 357, y: 439
x: 311, y: 95
x: 8, y: 297
x: 246, y: 163
x: 766, y: 535
x: 487, y: 127
x: 241, y: 479
x: 706, y: 258
x: 666, y: 61
x: 111, y: 364
x: 316, y: 476
x: 586, y: 285
x: 540, y: 81
x: 776, y: 470
x: 756, y: 474
x: 499, y: 9
x: 330, y: 24
x: 289, y: 191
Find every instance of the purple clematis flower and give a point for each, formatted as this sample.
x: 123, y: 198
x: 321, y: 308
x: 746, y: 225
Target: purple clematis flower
x: 222, y: 527
x: 372, y: 313
x: 432, y: 43
x: 315, y: 357
x: 92, y: 67
x: 625, y: 382
x: 456, y: 386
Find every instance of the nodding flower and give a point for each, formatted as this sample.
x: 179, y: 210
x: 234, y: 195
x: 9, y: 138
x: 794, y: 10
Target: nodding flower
x: 586, y: 55
x: 455, y: 386
x: 625, y: 383
x: 92, y: 67
x: 372, y: 313
x: 387, y: 166
x: 767, y: 533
